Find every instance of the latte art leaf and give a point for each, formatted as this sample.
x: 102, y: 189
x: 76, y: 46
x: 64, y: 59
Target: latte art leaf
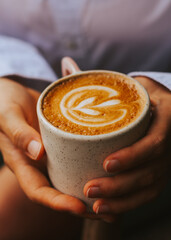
x: 108, y: 103
x: 85, y: 102
x: 88, y: 111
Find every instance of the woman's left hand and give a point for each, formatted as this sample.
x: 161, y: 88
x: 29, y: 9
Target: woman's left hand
x: 142, y: 167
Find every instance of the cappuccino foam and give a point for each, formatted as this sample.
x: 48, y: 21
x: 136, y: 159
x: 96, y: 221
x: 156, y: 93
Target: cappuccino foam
x: 93, y: 103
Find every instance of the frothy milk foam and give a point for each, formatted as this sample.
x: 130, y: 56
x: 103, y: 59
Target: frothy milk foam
x: 93, y: 104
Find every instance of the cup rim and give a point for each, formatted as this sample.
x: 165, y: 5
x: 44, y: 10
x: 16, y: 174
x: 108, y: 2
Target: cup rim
x: 80, y: 137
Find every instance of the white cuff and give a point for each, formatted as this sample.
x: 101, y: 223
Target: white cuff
x: 18, y: 58
x: 161, y: 77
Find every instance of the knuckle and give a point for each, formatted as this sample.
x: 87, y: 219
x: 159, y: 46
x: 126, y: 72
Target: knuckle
x: 17, y: 136
x: 127, y: 153
x: 32, y: 197
x: 130, y: 154
x: 116, y: 187
x: 159, y: 143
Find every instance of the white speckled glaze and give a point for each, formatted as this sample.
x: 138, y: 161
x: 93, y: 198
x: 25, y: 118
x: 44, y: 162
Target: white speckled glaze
x: 73, y: 159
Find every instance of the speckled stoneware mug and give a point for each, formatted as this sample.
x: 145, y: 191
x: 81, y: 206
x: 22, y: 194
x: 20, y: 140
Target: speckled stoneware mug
x: 73, y: 159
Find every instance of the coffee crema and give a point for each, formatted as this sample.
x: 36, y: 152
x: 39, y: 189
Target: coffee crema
x: 93, y: 103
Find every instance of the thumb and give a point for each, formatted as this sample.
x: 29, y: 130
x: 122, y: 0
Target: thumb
x: 23, y: 136
x: 69, y: 66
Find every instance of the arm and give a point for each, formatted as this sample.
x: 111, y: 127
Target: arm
x: 161, y: 77
x: 22, y: 60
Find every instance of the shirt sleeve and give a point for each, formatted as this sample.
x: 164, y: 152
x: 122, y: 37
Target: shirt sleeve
x: 161, y: 77
x: 25, y: 63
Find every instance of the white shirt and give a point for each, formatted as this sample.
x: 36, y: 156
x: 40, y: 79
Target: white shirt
x: 120, y: 35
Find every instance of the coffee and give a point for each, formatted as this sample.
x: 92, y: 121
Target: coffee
x: 94, y: 103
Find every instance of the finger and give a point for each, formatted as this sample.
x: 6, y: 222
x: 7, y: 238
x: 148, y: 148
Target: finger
x: 34, y: 183
x: 128, y: 202
x: 15, y: 126
x: 69, y: 66
x: 126, y: 182
x: 152, y: 146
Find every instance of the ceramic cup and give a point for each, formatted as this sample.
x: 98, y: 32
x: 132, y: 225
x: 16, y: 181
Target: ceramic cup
x: 73, y: 160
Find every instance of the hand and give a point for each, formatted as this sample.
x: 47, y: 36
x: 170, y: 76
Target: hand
x: 143, y: 167
x: 20, y: 144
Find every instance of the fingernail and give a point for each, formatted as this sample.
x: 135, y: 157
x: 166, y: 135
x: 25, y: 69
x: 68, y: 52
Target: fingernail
x: 34, y: 149
x: 93, y: 192
x: 102, y: 209
x: 112, y: 165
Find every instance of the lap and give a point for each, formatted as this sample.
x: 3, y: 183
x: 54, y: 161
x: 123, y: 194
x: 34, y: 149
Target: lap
x: 22, y: 219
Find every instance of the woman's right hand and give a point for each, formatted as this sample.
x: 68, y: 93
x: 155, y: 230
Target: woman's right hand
x: 21, y: 145
x: 23, y: 151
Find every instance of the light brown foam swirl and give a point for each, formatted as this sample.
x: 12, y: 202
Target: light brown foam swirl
x: 92, y: 104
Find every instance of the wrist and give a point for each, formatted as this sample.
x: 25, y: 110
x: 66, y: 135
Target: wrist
x: 7, y: 79
x: 151, y: 85
x: 4, y: 81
